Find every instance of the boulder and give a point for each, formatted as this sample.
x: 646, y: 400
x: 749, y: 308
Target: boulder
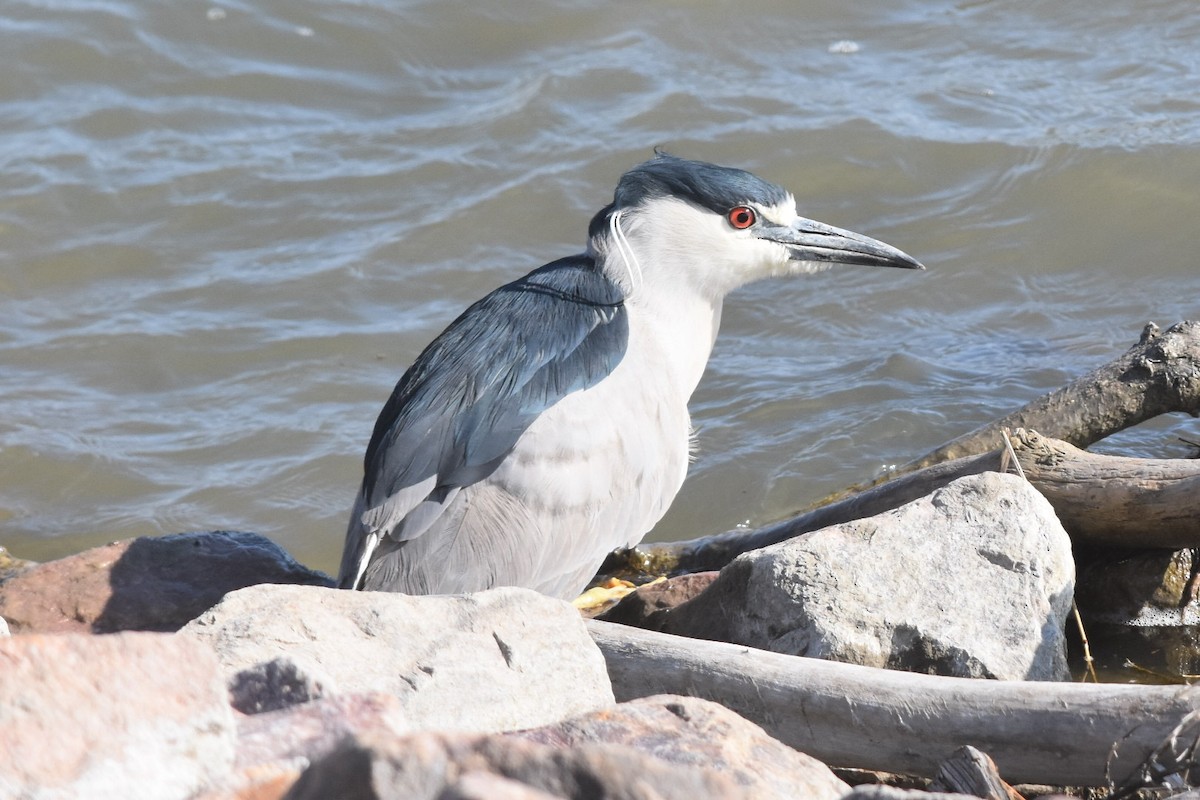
x: 274, y: 747
x: 433, y: 766
x: 684, y: 731
x: 146, y: 584
x: 300, y: 734
x: 132, y: 715
x: 491, y: 661
x: 974, y: 580
x: 698, y: 733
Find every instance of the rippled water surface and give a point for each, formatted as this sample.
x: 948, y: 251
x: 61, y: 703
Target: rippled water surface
x: 225, y: 229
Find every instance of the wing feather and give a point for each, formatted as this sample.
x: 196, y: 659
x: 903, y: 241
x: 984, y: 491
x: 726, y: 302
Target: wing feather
x: 466, y: 400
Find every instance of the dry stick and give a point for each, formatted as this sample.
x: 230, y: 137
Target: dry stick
x: 1089, y: 662
x: 878, y: 719
x: 1173, y: 763
x: 1010, y: 454
x: 1161, y: 373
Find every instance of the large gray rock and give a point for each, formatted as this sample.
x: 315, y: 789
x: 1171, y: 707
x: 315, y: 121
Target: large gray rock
x: 153, y: 583
x: 496, y: 660
x: 974, y: 580
x: 132, y: 715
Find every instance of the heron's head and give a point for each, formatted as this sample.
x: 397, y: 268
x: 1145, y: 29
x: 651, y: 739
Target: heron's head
x: 682, y: 223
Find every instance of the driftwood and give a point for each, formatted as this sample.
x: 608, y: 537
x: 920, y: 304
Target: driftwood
x: 1110, y: 500
x: 972, y: 772
x: 1100, y: 499
x: 876, y: 719
x: 1158, y: 375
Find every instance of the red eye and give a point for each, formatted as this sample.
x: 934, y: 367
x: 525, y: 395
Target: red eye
x: 741, y: 217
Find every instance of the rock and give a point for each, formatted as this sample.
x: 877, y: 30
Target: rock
x: 431, y: 766
x: 974, y: 580
x: 699, y: 733
x: 685, y: 731
x: 135, y: 715
x: 648, y: 606
x: 490, y: 786
x: 301, y: 734
x: 496, y: 660
x: 148, y: 584
x: 268, y: 783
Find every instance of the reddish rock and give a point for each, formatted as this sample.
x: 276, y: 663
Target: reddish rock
x: 649, y: 606
x: 692, y: 732
x: 304, y: 733
x: 269, y: 782
x: 148, y: 584
x: 490, y: 786
x: 133, y: 714
x: 431, y: 766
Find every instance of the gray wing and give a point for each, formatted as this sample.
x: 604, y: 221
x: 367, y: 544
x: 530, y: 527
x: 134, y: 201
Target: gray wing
x: 462, y: 405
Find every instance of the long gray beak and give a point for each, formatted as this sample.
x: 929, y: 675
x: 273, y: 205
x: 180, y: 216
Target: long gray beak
x: 809, y: 240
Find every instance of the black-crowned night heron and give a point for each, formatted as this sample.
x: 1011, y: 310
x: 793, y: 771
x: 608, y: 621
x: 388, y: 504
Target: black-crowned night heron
x: 548, y: 425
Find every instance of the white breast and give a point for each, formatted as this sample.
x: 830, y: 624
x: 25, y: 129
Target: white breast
x: 598, y: 469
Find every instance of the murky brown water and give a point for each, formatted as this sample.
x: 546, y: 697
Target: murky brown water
x: 226, y: 228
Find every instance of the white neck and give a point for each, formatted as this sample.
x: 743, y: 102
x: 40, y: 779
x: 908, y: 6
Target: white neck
x: 673, y: 321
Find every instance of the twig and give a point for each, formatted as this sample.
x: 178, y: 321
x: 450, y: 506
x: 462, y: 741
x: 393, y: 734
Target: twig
x: 1089, y: 663
x: 1010, y: 455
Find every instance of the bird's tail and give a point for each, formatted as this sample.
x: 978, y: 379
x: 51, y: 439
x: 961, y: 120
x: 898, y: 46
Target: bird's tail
x: 360, y: 545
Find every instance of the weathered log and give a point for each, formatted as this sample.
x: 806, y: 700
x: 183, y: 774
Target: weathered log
x: 1158, y: 375
x: 1100, y: 499
x: 1113, y: 500
x: 875, y: 719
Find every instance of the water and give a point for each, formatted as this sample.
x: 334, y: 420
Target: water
x: 225, y: 229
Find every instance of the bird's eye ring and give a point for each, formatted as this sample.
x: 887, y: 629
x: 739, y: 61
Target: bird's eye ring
x: 741, y: 217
